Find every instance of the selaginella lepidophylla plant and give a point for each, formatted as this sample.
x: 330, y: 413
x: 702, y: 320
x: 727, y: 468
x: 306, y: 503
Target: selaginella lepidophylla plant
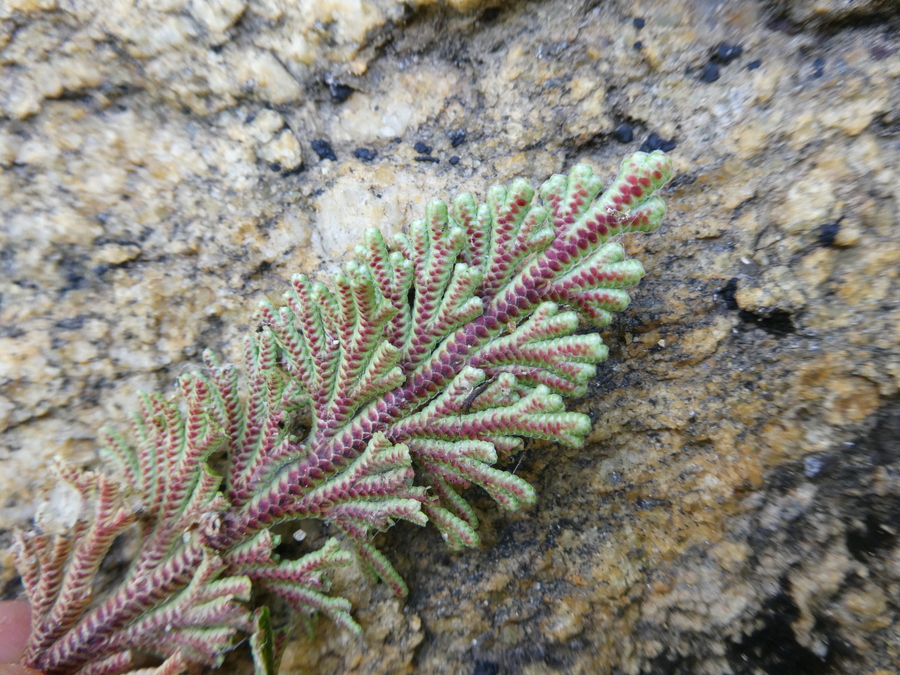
x: 425, y: 366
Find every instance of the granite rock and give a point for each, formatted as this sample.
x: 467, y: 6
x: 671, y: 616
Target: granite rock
x: 736, y: 507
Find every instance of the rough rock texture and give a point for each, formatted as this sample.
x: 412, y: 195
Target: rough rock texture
x: 737, y: 508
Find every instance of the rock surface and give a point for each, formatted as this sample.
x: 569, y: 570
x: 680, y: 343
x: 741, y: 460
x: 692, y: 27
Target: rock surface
x: 737, y: 507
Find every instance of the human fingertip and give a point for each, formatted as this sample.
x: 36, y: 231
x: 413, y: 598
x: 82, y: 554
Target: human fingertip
x: 17, y: 669
x: 15, y: 626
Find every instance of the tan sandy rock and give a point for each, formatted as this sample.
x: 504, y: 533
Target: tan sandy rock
x: 735, y: 503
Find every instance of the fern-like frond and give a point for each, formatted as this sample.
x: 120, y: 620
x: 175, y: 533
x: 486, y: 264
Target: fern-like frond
x: 424, y: 367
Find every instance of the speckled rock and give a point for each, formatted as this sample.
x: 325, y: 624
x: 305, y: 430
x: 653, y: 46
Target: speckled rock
x: 736, y: 507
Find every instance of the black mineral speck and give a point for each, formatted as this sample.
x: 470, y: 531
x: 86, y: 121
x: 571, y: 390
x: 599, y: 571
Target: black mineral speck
x: 647, y: 504
x: 485, y: 668
x: 710, y: 72
x: 339, y: 92
x: 656, y: 142
x: 728, y: 292
x: 454, y: 160
x: 490, y: 14
x: 457, y: 137
x: 777, y: 322
x: 71, y: 323
x: 73, y: 272
x: 725, y: 54
x: 638, y: 45
x: 638, y: 22
x: 753, y: 65
x: 828, y: 232
x: 364, y: 154
x: 818, y: 68
x: 422, y: 149
x: 324, y: 150
x: 624, y: 134
x: 426, y: 158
